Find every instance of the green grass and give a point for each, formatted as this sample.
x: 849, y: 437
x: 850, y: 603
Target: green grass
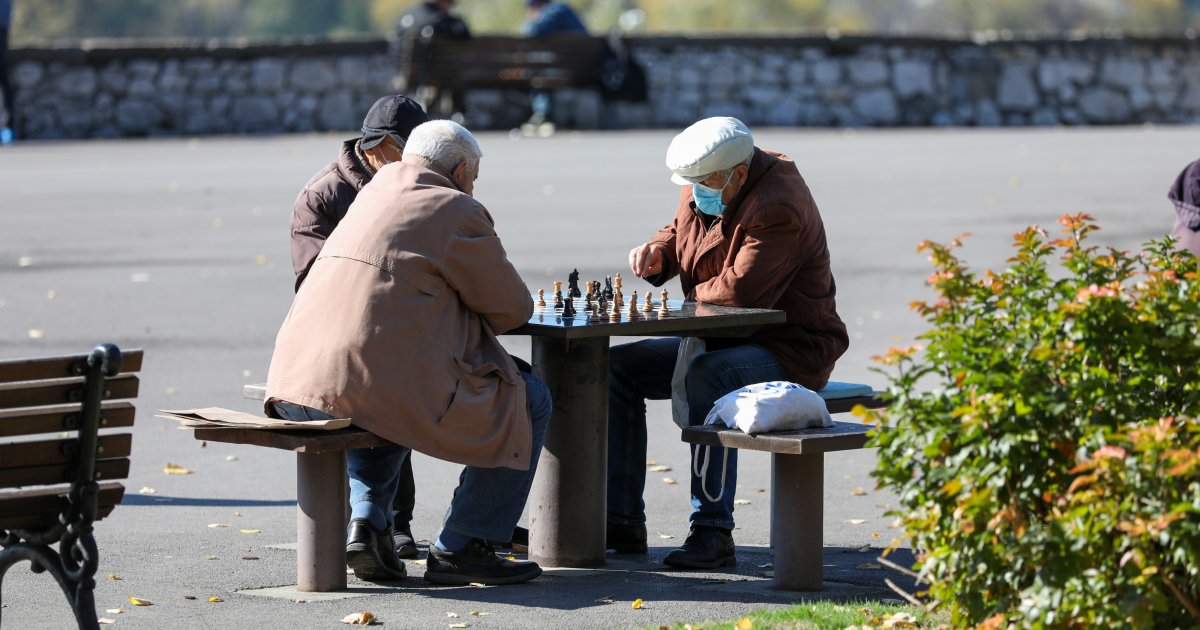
x: 822, y: 615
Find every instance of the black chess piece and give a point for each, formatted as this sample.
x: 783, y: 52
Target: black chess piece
x: 558, y: 299
x: 608, y: 288
x: 573, y: 285
x: 568, y: 308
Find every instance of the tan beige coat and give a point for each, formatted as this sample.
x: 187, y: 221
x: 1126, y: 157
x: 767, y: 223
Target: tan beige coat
x: 395, y: 326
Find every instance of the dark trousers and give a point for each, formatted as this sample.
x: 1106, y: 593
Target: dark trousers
x: 6, y: 90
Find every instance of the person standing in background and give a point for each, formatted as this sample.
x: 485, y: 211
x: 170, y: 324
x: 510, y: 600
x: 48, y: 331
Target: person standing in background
x: 426, y: 21
x: 545, y: 19
x: 7, y: 131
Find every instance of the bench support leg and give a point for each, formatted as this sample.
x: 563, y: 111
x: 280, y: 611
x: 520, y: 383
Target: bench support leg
x: 568, y: 501
x: 321, y: 496
x: 797, y: 491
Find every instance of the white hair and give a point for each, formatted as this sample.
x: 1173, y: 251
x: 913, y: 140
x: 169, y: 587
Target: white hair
x: 444, y: 143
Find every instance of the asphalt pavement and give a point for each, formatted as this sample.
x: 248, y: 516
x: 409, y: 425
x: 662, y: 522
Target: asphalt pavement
x: 180, y: 247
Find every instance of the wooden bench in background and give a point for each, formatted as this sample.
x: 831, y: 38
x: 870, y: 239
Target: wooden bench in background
x: 797, y: 482
x: 53, y: 488
x: 321, y: 492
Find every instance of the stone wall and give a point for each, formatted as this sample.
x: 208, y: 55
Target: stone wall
x: 117, y: 89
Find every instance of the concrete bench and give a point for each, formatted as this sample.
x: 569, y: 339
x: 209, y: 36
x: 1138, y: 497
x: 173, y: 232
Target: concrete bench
x: 321, y: 492
x: 58, y: 474
x: 797, y: 480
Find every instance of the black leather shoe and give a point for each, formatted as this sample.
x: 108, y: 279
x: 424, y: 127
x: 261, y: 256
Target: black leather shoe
x: 476, y: 563
x: 705, y: 548
x: 404, y: 544
x: 625, y: 538
x: 520, y: 536
x: 370, y: 554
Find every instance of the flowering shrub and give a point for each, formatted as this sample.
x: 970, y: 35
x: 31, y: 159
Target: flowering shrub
x: 1043, y: 441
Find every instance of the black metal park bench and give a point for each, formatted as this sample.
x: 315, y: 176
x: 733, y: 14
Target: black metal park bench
x: 52, y: 488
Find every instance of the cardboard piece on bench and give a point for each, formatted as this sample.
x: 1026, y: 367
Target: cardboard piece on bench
x: 230, y: 419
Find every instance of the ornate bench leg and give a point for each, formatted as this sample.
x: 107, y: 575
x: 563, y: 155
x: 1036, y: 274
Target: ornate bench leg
x: 320, y: 521
x: 797, y: 490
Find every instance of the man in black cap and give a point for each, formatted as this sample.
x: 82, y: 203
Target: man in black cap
x: 322, y: 205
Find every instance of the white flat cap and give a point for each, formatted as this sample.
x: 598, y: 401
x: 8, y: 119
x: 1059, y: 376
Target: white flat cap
x: 711, y: 145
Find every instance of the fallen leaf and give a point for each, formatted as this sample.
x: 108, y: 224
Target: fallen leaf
x: 869, y: 566
x: 210, y: 557
x: 669, y: 480
x: 250, y: 531
x: 217, y: 525
x: 115, y: 611
x: 104, y: 621
x: 638, y: 604
x: 476, y: 613
x: 189, y: 597
x: 249, y: 557
x: 361, y: 619
x: 476, y: 584
x: 140, y: 602
x: 215, y: 600
x: 660, y: 469
x: 856, y: 521
x: 452, y: 615
x: 741, y: 502
x: 857, y: 492
x: 760, y: 489
x: 665, y: 536
x: 519, y: 548
x: 299, y: 600
x: 460, y: 625
x: 175, y: 469
x: 114, y: 576
x: 607, y: 599
x: 744, y: 624
x: 650, y: 462
x: 231, y: 458
x: 874, y: 534
x: 147, y: 490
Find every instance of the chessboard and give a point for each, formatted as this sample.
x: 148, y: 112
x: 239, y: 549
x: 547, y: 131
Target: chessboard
x: 606, y: 309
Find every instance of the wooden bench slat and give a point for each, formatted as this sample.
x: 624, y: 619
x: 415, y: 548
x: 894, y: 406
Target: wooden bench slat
x: 59, y: 367
x: 58, y: 418
x: 60, y: 391
x: 61, y: 451
x: 299, y: 441
x: 841, y: 436
x: 61, y: 473
x: 39, y: 508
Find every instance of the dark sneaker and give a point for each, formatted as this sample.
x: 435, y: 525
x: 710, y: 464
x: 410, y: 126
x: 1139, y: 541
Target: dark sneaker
x: 404, y: 544
x: 370, y: 554
x: 520, y: 537
x: 625, y: 538
x: 476, y: 564
x: 705, y: 548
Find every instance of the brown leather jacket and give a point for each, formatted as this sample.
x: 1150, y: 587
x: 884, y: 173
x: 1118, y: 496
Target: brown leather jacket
x: 767, y: 250
x: 322, y: 205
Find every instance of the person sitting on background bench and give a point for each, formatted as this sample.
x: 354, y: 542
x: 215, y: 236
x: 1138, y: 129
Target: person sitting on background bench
x: 323, y: 203
x: 1185, y: 196
x: 427, y: 20
x: 395, y: 328
x: 548, y: 18
x: 746, y: 233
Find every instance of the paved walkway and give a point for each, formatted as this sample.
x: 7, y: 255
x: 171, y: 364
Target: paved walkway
x: 181, y: 248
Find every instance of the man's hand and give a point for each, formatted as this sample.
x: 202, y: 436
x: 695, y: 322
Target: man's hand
x: 646, y: 260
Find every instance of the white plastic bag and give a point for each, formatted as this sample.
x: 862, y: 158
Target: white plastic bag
x: 689, y: 348
x: 772, y: 406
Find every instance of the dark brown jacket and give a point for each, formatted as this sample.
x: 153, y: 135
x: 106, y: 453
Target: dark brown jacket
x: 767, y: 250
x: 322, y: 205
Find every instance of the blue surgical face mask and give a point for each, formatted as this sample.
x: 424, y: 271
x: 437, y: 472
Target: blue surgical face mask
x: 708, y: 200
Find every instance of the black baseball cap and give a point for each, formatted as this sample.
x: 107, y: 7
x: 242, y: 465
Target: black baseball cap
x: 395, y: 115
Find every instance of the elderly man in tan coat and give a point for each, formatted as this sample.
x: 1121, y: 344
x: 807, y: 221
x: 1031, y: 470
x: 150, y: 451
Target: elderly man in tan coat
x: 395, y: 327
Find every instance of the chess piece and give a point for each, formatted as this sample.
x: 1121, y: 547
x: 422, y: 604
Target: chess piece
x: 608, y: 287
x: 662, y: 310
x: 615, y: 314
x: 558, y: 300
x: 633, y: 307
x: 617, y: 282
x: 558, y: 292
x: 541, y: 298
x: 587, y: 299
x: 647, y: 306
x: 568, y: 308
x: 573, y: 284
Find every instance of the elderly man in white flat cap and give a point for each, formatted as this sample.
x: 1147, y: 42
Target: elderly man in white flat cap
x: 746, y: 233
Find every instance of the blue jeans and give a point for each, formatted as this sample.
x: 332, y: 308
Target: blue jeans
x: 642, y: 371
x: 487, y: 502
